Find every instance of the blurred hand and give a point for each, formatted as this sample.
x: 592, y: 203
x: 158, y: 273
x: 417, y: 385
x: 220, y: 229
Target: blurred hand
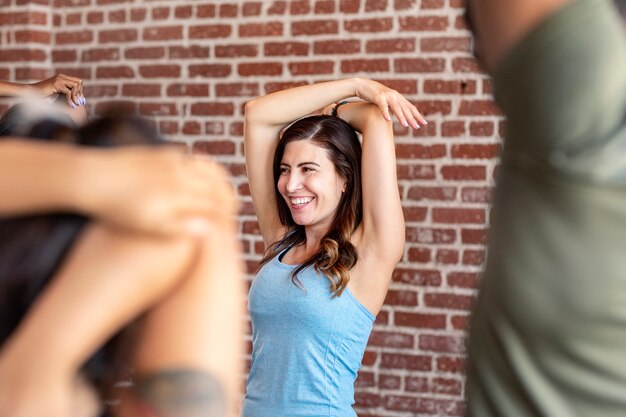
x: 71, y: 87
x: 159, y: 191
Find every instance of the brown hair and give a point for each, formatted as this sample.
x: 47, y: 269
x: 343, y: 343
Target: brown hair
x: 336, y: 255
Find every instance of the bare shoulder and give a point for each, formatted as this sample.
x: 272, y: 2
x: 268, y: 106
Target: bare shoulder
x: 500, y: 25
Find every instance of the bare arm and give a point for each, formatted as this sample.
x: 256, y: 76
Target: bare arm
x: 267, y: 115
x: 153, y: 190
x: 70, y: 87
x: 383, y: 220
x: 500, y: 25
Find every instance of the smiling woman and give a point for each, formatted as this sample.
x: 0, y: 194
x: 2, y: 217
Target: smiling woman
x: 331, y: 218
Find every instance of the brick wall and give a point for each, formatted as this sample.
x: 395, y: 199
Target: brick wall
x: 191, y: 66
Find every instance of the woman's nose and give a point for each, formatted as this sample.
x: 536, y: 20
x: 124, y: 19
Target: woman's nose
x: 293, y: 183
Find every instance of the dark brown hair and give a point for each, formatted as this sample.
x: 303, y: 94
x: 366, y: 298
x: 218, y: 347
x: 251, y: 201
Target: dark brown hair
x: 336, y: 255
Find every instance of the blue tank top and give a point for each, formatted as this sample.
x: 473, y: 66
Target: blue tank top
x: 307, y: 346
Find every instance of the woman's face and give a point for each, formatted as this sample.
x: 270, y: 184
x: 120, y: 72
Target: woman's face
x: 310, y: 184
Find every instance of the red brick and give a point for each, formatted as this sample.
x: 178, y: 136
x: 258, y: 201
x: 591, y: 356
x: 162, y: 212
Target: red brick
x: 392, y: 339
x: 479, y: 108
x: 432, y: 193
x: 365, y: 380
x: 464, y: 172
x: 116, y: 105
x: 367, y: 400
x: 212, y: 109
x: 228, y: 10
x: 23, y: 18
x: 424, y: 23
x: 299, y: 7
x: 154, y: 52
x: 446, y: 386
x: 430, y: 107
x: 389, y: 381
x: 458, y: 215
x: 432, y: 4
x: 264, y: 68
x: 83, y: 36
x: 335, y: 47
x: 449, y: 87
x: 232, y: 51
x: 390, y: 45
x: 100, y: 54
x: 416, y: 171
x: 466, y: 65
x: 314, y: 27
x: 407, y: 87
x: 63, y: 56
x: 117, y: 35
x: 474, y: 236
x: 324, y: 6
x: 35, y: 36
x: 286, y: 48
x: 95, y: 17
x: 419, y: 255
x: 187, y: 52
x: 429, y: 235
x: 476, y: 194
x: 160, y: 13
x: 117, y: 16
x: 188, y: 90
x: 419, y: 320
x: 411, y: 362
x: 482, y: 128
x: 460, y: 322
x: 462, y: 279
x: 192, y: 128
x: 417, y: 277
x: 158, y: 109
x: 260, y: 29
x: 401, y: 298
x: 100, y: 90
x: 168, y: 127
x: 209, y: 70
x: 206, y: 10
x: 437, y: 343
x: 162, y: 33
x: 417, y: 384
x: 445, y: 44
x: 416, y: 151
x: 123, y: 71
x: 209, y: 31
x: 369, y: 25
x: 365, y: 65
x: 452, y: 129
x: 160, y: 71
x: 449, y: 301
x: 419, y: 65
x: 447, y: 256
x: 415, y: 214
x: 475, y: 151
x: 450, y: 364
x: 237, y: 90
x: 313, y: 67
x: 375, y: 5
x: 183, y: 12
x: 141, y: 90
x: 252, y: 8
x: 138, y: 15
x: 277, y: 8
x: 349, y: 6
x: 473, y: 257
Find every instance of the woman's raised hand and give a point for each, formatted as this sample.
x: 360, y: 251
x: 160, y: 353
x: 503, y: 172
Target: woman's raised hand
x: 390, y: 101
x: 69, y: 86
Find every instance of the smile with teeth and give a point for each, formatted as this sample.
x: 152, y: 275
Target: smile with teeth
x: 301, y: 201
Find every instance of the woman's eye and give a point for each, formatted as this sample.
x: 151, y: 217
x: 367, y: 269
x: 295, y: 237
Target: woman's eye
x: 283, y: 170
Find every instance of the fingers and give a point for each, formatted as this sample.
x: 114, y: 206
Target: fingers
x: 406, y: 113
x: 72, y: 88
